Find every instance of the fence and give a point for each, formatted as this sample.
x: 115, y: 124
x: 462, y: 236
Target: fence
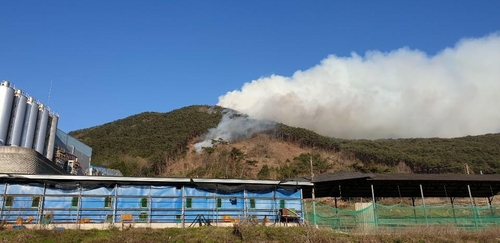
x: 373, y: 216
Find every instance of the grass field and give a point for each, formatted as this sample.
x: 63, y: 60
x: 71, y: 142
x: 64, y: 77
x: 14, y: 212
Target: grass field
x: 249, y: 233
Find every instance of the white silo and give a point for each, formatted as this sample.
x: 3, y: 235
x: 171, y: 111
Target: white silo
x: 6, y: 99
x: 30, y: 120
x: 41, y: 131
x: 17, y: 119
x: 49, y: 148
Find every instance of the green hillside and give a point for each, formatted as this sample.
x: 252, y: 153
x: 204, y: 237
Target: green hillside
x: 150, y: 136
x: 141, y: 145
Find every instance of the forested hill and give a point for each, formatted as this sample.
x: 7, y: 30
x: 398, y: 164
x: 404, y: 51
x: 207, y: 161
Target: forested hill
x: 147, y: 144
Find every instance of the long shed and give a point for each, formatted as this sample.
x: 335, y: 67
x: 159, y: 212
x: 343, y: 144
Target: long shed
x: 162, y: 202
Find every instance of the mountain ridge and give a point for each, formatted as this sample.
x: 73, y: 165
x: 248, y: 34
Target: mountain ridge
x: 161, y: 144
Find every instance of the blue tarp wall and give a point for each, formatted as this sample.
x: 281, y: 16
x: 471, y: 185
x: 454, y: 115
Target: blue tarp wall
x: 40, y: 203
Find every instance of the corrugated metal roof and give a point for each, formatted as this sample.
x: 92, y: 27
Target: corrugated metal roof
x: 158, y: 180
x: 355, y: 184
x: 339, y: 176
x: 435, y: 177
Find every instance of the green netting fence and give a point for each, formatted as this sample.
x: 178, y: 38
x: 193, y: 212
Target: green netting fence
x: 369, y: 216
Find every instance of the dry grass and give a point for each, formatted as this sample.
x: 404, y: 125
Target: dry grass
x: 251, y: 233
x: 432, y: 234
x: 262, y: 149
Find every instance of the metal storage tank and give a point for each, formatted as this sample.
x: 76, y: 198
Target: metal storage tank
x: 6, y: 100
x: 49, y: 149
x: 29, y: 123
x: 17, y: 120
x: 43, y: 115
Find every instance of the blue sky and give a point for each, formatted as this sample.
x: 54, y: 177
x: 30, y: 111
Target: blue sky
x: 108, y: 60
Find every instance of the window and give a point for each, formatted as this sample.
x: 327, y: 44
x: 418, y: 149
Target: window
x: 189, y: 202
x: 107, y: 202
x: 219, y: 202
x: 282, y: 203
x: 74, y: 202
x: 9, y: 201
x: 252, y: 203
x: 35, y: 202
x: 144, y: 202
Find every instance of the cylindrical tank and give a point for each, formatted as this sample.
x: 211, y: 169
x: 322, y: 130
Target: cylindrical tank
x: 6, y: 99
x: 41, y: 131
x: 17, y: 120
x: 29, y: 123
x: 49, y: 149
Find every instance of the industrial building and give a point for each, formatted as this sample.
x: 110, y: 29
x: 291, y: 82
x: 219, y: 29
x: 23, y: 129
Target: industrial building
x: 31, y: 143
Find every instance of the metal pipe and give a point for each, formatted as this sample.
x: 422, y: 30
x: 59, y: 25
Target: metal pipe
x: 183, y: 212
x: 150, y: 205
x: 115, y: 203
x: 313, y: 194
x: 41, y: 203
x: 453, y: 209
x: 4, y: 198
x: 302, y: 205
x: 414, y: 210
x: 79, y: 206
x: 245, y: 205
x: 216, y: 208
x: 374, y: 207
x: 423, y: 203
x: 472, y: 206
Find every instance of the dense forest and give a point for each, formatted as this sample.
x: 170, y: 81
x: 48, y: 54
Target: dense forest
x: 143, y: 144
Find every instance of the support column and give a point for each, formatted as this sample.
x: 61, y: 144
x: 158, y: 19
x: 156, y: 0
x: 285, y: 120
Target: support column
x: 375, y: 217
x: 314, y: 208
x: 302, y: 215
x: 183, y: 211
x: 452, y: 199
x: 215, y: 205
x: 414, y: 210
x: 40, y: 204
x: 490, y: 200
x: 115, y: 199
x: 313, y: 194
x: 79, y: 205
x: 472, y: 206
x: 4, y: 198
x: 423, y: 204
x: 245, y: 205
x: 150, y: 205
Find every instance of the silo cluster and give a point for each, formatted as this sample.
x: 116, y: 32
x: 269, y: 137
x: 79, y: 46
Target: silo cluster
x: 25, y: 122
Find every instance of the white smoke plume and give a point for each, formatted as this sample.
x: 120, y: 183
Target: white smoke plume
x: 403, y: 93
x: 233, y: 126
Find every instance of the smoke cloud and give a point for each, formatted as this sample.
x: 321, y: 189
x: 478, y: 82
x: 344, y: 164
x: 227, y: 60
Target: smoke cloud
x: 233, y: 126
x: 402, y: 93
